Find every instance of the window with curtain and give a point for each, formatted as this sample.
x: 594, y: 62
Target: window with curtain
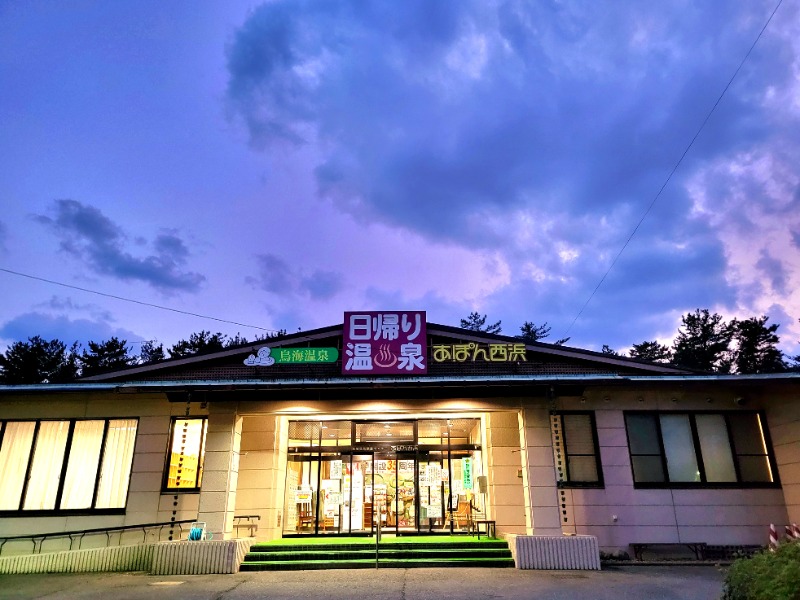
x: 576, y: 451
x: 65, y: 465
x: 729, y: 449
x: 186, y: 450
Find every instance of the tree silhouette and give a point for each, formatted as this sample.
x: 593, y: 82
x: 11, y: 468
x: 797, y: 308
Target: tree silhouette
x: 102, y: 357
x: 240, y: 340
x: 476, y: 322
x: 757, y: 347
x: 151, y: 352
x: 651, y: 351
x: 530, y: 333
x: 703, y: 342
x: 198, y: 343
x: 39, y: 361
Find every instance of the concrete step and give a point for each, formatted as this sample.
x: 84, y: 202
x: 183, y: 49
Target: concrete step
x: 392, y: 554
x: 389, y: 563
x: 387, y: 553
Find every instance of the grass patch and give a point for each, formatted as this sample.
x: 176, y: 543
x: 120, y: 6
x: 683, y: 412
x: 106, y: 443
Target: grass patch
x: 370, y: 541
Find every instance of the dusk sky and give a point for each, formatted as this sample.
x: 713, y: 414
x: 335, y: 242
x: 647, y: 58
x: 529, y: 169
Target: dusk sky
x: 279, y: 163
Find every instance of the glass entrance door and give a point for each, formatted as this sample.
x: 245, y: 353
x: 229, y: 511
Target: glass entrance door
x: 345, y: 477
x: 395, y: 491
x: 434, y: 490
x: 358, y: 485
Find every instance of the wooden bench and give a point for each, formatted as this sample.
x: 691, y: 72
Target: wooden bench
x: 697, y: 548
x: 248, y: 522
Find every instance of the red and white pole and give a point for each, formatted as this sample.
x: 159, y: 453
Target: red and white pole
x: 773, y: 537
x: 796, y: 531
x: 789, y: 531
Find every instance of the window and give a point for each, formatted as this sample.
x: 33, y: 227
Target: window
x: 66, y: 465
x: 697, y: 449
x: 576, y: 450
x: 185, y: 457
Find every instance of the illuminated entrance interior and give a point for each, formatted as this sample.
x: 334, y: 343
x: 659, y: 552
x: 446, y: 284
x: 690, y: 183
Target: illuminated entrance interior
x: 413, y: 475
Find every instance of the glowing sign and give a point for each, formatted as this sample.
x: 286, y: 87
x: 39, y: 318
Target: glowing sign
x: 473, y: 352
x: 269, y: 356
x: 385, y: 343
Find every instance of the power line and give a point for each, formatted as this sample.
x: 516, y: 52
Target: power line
x: 133, y: 301
x: 675, y: 168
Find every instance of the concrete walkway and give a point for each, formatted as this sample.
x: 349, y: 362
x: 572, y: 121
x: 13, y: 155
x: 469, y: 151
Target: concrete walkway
x: 620, y: 583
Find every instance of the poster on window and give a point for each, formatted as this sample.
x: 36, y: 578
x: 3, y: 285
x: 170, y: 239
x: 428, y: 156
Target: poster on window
x: 434, y: 472
x: 336, y: 469
x: 423, y: 477
x: 434, y: 512
x: 379, y: 493
x: 385, y: 343
x: 466, y: 473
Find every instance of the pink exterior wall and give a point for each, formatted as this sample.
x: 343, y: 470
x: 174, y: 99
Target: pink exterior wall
x: 714, y: 516
x: 783, y: 419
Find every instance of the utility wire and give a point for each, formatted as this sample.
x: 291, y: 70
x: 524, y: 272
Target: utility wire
x: 140, y: 302
x: 675, y: 168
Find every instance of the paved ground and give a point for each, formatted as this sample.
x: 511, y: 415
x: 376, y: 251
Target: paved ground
x: 650, y: 583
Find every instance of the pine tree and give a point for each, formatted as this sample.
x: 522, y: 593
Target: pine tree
x: 39, y: 361
x: 651, y: 351
x: 103, y: 357
x: 757, y: 347
x: 703, y: 342
x: 476, y: 322
x: 151, y: 353
x: 198, y: 343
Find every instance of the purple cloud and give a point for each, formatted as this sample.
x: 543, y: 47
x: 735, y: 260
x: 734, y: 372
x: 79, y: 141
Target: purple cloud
x: 87, y: 234
x: 277, y: 277
x: 67, y: 330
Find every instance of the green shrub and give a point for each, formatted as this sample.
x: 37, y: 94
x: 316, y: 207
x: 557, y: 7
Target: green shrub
x: 766, y: 576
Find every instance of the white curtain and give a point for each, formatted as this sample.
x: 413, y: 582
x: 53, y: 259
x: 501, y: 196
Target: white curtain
x: 679, y: 448
x: 14, y: 454
x: 84, y: 458
x: 716, y: 448
x: 117, y: 457
x: 48, y: 459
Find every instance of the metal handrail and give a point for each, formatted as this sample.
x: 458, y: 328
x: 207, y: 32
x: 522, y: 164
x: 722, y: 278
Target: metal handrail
x: 38, y: 538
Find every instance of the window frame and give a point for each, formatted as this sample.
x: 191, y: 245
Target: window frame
x: 568, y: 483
x: 21, y: 512
x: 698, y: 452
x: 165, y: 489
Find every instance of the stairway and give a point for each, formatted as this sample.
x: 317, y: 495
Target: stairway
x: 394, y: 553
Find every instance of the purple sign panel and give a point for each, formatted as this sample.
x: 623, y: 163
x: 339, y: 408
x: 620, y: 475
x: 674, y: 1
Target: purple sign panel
x: 385, y: 343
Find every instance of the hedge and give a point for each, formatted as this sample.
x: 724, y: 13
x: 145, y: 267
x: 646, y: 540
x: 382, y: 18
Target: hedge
x: 766, y: 576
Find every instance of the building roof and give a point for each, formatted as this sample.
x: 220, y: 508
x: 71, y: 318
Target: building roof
x: 546, y: 369
x: 541, y: 360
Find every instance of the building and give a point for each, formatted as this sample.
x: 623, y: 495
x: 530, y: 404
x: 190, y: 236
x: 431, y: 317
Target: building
x: 389, y: 418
